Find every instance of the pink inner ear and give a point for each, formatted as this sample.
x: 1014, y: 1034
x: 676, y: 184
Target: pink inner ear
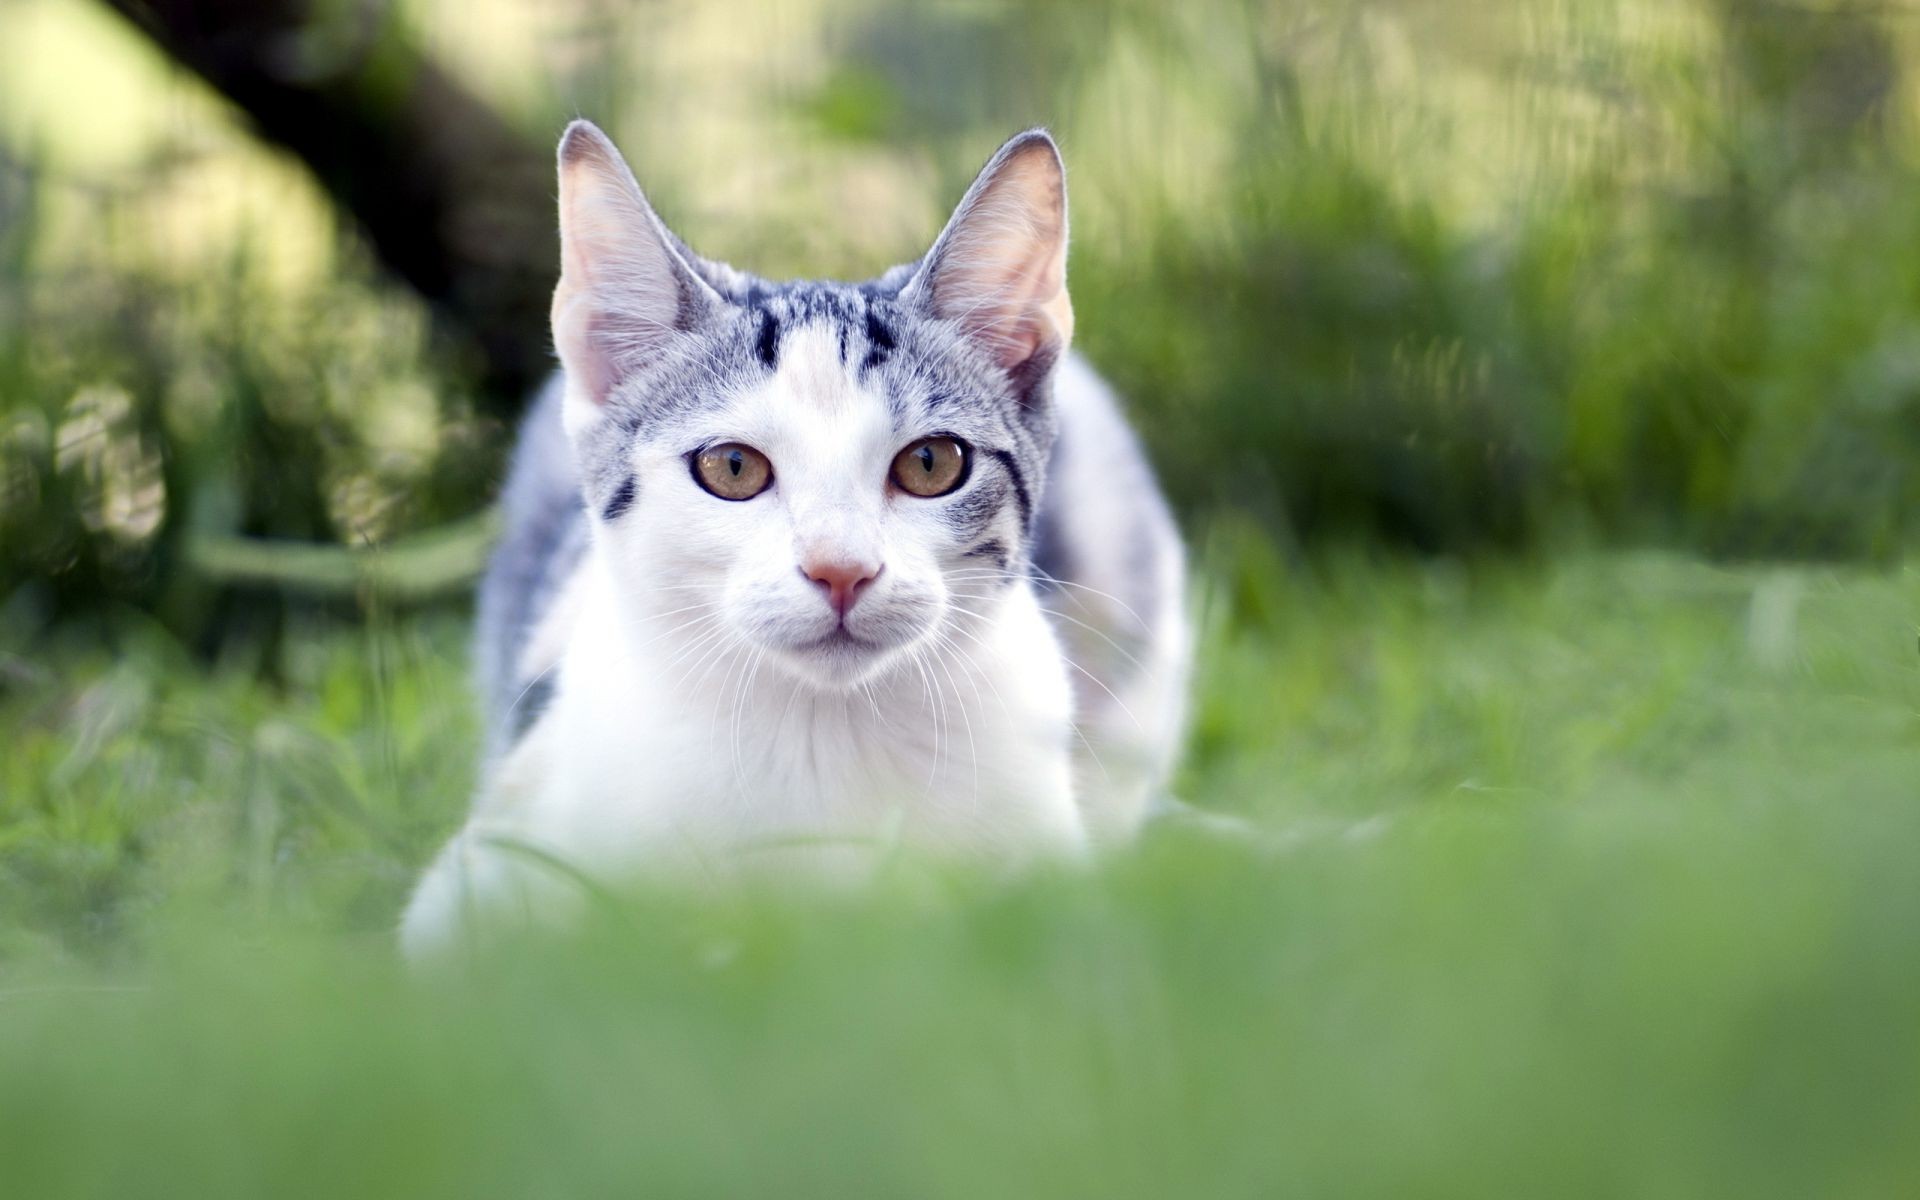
x: 619, y: 295
x: 590, y: 355
x: 1001, y: 267
x: 1012, y: 308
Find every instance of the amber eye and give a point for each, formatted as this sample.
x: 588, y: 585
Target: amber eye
x: 931, y: 466
x: 732, y: 471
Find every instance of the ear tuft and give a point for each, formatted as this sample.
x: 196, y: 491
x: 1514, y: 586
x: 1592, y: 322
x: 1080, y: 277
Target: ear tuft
x: 624, y: 290
x: 583, y: 140
x: 999, y: 269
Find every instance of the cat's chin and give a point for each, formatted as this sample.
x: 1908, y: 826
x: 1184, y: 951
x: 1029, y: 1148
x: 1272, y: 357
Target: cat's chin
x: 838, y: 661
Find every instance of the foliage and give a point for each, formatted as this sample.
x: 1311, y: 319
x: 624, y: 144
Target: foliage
x: 1697, y: 329
x: 1609, y: 271
x: 139, y: 410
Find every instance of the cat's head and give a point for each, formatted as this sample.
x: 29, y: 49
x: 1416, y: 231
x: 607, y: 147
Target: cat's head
x: 834, y: 474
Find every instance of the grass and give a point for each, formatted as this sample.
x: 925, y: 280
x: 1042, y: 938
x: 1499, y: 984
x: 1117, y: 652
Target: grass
x: 1590, y: 877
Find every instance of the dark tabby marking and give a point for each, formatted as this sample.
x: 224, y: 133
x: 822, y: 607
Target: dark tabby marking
x: 768, y: 346
x: 880, y: 342
x: 993, y: 550
x: 622, y: 500
x: 1020, y: 494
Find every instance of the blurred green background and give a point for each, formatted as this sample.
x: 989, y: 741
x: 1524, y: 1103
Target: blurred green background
x: 1539, y: 386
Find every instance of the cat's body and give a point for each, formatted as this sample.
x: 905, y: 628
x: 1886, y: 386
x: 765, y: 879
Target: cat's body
x: 689, y: 676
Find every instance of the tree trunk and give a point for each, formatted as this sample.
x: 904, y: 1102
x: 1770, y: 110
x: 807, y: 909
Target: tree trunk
x: 455, y: 201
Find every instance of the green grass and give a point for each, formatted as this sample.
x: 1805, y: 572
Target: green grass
x: 1585, y: 878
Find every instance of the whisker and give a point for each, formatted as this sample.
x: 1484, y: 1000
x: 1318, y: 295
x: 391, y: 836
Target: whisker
x: 973, y: 750
x: 1069, y: 660
x: 1093, y: 629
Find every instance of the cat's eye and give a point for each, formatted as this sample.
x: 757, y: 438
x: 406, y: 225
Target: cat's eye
x: 732, y: 471
x: 932, y: 466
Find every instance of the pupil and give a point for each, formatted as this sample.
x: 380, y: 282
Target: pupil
x: 734, y: 460
x: 926, y: 458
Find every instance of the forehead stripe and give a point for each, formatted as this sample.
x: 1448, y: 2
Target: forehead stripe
x: 880, y: 341
x: 768, y: 344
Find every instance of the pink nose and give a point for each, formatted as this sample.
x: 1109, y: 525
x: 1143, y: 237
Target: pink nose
x: 843, y: 581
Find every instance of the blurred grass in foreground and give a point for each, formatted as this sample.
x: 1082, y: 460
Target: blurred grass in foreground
x: 1583, y: 879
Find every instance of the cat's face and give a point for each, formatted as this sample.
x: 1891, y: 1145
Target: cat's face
x: 829, y: 477
x: 837, y: 506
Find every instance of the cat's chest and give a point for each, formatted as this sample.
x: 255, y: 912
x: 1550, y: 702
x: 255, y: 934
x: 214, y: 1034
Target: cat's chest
x: 815, y: 775
x: 637, y: 763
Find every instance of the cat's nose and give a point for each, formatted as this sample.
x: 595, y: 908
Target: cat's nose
x: 843, y: 580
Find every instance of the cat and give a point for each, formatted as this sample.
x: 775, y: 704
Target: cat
x: 814, y: 570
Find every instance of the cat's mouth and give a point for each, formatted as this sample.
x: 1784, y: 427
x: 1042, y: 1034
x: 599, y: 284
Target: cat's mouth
x: 841, y: 641
x: 838, y: 658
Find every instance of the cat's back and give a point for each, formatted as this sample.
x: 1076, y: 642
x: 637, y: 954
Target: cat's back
x: 1103, y: 522
x: 543, y: 541
x: 1111, y: 572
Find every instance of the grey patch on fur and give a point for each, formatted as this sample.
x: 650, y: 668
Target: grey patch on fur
x: 974, y: 510
x: 993, y: 551
x: 1052, y: 550
x: 529, y: 705
x: 1105, y: 537
x: 544, y: 539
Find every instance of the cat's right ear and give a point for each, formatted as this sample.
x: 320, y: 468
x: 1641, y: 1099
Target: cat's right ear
x: 624, y: 290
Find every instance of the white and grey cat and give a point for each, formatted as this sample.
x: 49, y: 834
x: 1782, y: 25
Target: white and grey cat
x: 814, y: 570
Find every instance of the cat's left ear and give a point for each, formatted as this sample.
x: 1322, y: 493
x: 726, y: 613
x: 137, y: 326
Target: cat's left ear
x: 625, y: 292
x: 999, y: 269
